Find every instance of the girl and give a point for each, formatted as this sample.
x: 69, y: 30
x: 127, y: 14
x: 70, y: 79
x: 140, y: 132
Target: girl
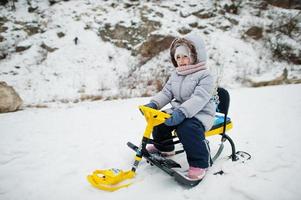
x: 189, y: 90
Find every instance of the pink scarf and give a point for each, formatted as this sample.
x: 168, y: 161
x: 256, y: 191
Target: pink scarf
x: 189, y: 69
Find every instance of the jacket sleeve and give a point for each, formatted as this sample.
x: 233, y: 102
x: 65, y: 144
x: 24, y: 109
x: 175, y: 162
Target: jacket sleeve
x: 164, y: 96
x: 201, y: 96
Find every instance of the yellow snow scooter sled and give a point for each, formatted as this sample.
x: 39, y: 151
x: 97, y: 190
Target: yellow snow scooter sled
x: 113, y: 179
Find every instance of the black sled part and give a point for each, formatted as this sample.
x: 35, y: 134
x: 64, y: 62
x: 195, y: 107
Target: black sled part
x: 183, y: 180
x: 167, y: 165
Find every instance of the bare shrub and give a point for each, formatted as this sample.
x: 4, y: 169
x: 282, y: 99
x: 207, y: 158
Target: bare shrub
x: 288, y: 24
x: 234, y: 7
x: 283, y: 50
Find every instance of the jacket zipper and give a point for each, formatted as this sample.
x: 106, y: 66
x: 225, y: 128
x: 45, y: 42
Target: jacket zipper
x: 180, y: 89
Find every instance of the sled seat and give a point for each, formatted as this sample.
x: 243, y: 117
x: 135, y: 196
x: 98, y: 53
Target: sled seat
x: 218, y: 126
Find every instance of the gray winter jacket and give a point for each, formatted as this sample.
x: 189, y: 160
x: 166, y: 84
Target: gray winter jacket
x: 191, y: 93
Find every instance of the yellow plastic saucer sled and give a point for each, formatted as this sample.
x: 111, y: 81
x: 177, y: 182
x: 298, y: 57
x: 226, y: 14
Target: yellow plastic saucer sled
x: 111, y: 179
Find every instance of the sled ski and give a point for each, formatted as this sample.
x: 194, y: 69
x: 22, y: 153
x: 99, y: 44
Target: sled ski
x: 169, y: 166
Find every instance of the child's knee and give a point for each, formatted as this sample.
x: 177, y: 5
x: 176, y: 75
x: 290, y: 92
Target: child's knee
x: 191, y: 128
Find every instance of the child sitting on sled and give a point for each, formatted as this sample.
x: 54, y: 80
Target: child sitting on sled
x: 189, y: 90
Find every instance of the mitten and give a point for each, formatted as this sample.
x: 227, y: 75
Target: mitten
x: 177, y: 117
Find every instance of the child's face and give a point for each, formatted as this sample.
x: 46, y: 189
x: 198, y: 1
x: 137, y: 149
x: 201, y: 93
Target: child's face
x: 182, y: 60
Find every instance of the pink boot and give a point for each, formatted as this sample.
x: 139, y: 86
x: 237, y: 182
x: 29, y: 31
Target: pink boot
x: 152, y: 150
x: 196, y: 173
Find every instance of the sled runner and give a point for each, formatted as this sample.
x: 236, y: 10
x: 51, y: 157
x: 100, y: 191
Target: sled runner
x: 111, y: 179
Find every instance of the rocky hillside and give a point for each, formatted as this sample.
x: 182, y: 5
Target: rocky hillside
x: 71, y: 51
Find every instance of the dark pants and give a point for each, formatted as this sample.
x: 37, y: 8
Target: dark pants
x: 191, y: 134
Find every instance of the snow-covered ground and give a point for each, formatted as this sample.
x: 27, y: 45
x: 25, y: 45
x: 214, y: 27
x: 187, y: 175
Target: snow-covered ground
x: 47, y: 153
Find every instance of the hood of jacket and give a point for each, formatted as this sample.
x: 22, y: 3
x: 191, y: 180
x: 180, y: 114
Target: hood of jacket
x: 195, y: 44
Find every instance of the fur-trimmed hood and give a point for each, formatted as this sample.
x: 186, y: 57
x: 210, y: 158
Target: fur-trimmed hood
x: 196, y: 46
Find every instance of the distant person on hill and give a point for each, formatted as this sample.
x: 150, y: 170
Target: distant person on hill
x: 189, y: 90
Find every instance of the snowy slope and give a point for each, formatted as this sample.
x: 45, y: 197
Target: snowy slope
x: 47, y: 153
x: 95, y: 68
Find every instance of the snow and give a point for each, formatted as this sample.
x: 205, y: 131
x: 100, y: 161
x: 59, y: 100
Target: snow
x: 47, y: 153
x: 98, y: 68
x: 72, y: 70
